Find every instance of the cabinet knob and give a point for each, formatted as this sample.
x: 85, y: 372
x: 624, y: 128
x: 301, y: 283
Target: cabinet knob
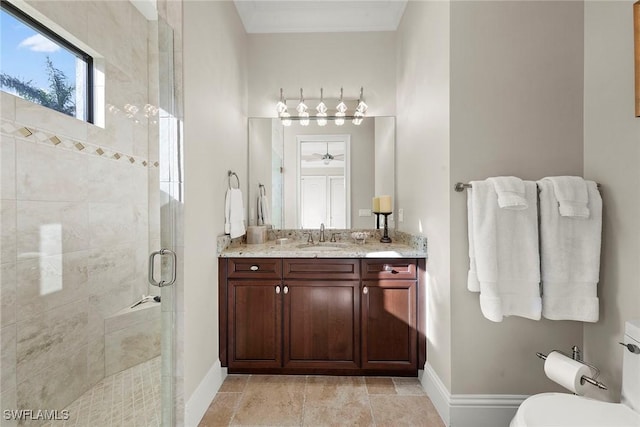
x: 365, y: 290
x: 254, y: 268
x: 388, y: 268
x: 277, y: 289
x: 286, y: 289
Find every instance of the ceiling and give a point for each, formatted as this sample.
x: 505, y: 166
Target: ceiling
x: 319, y: 16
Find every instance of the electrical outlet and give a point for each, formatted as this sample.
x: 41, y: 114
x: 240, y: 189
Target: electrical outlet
x: 364, y: 212
x: 400, y: 215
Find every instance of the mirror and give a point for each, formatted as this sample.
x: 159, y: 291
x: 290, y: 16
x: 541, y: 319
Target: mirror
x: 313, y: 174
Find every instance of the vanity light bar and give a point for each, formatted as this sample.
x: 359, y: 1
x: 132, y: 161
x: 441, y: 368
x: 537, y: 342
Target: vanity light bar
x: 295, y: 118
x: 339, y: 116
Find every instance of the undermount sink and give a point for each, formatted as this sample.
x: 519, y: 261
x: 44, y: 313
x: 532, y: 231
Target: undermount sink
x: 322, y: 246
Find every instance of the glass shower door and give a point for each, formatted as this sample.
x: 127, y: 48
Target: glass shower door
x: 165, y: 262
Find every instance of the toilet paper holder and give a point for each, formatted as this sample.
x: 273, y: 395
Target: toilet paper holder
x: 576, y: 356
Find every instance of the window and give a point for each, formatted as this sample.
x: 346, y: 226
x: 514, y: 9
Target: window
x: 38, y: 65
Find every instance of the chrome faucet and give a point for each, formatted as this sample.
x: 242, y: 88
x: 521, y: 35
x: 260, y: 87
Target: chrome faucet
x: 321, y: 239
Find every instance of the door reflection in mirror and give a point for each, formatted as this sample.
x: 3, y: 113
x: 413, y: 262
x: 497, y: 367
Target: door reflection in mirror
x: 323, y: 168
x: 274, y: 161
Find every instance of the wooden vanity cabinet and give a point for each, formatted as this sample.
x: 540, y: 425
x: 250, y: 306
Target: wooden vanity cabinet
x: 254, y: 304
x: 255, y: 324
x: 321, y: 315
x: 389, y: 315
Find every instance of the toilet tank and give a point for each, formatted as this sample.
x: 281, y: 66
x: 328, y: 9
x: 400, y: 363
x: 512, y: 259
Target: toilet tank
x: 631, y: 367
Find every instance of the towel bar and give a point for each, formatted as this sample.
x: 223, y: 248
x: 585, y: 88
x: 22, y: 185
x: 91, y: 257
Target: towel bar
x: 461, y: 186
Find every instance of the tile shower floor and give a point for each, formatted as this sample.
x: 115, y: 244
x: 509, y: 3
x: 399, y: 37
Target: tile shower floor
x: 129, y: 398
x: 320, y: 400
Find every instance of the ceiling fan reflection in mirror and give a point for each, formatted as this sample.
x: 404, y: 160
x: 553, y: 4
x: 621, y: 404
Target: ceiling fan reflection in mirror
x: 326, y: 158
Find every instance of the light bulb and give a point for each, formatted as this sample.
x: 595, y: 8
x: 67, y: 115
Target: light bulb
x: 322, y: 120
x: 357, y: 118
x: 322, y: 110
x: 362, y: 106
x: 341, y: 108
x: 281, y: 106
x: 302, y: 107
x: 304, y: 119
x: 286, y: 119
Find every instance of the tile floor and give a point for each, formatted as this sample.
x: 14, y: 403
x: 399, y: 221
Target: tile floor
x: 129, y: 398
x: 321, y: 400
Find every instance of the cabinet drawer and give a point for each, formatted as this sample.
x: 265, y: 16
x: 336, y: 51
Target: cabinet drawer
x: 389, y: 269
x: 255, y: 268
x: 323, y: 269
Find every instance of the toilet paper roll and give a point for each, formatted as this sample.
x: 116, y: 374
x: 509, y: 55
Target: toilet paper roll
x: 566, y: 371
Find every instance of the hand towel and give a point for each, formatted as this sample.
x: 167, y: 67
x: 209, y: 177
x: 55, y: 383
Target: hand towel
x: 504, y: 256
x: 571, y: 194
x: 234, y: 213
x: 510, y: 190
x: 264, y: 215
x: 570, y: 248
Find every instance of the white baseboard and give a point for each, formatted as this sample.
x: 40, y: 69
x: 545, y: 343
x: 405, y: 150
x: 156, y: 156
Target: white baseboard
x: 201, y: 398
x: 437, y: 392
x: 470, y: 410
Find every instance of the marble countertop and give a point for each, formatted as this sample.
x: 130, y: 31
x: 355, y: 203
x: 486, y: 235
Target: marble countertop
x: 299, y: 249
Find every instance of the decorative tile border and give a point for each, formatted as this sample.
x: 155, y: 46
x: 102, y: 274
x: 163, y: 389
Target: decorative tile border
x: 33, y: 135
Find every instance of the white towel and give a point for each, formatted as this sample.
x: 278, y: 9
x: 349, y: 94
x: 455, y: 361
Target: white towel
x: 504, y: 257
x: 264, y: 215
x: 571, y: 195
x: 234, y: 213
x: 570, y: 249
x: 510, y: 191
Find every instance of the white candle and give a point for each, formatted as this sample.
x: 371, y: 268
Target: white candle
x: 385, y: 204
x: 376, y: 204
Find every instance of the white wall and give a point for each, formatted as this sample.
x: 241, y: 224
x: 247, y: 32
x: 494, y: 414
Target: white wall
x: 422, y: 159
x: 215, y: 140
x: 329, y: 60
x: 611, y: 157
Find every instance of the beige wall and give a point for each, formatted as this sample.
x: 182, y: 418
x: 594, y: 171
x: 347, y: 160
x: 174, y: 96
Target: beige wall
x: 611, y: 157
x: 215, y: 140
x: 500, y: 54
x: 422, y: 159
x: 516, y: 109
x: 329, y: 60
x: 75, y: 223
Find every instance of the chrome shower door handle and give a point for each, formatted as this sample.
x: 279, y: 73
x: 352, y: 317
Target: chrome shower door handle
x: 174, y: 260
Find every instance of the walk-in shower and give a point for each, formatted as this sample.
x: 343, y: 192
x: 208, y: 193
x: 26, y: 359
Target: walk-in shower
x: 82, y: 207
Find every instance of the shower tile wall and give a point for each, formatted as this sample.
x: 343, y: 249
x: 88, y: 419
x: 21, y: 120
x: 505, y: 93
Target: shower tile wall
x: 75, y: 224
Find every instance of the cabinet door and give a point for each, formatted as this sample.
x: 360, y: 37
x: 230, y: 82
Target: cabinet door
x: 389, y: 337
x: 321, y: 324
x: 255, y: 327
